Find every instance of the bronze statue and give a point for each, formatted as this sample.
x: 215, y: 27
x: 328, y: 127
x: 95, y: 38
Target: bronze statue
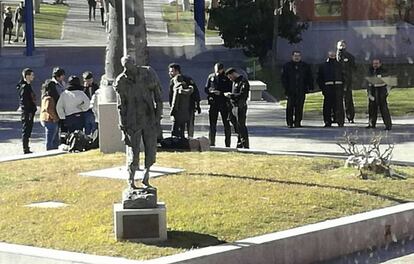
x: 140, y: 108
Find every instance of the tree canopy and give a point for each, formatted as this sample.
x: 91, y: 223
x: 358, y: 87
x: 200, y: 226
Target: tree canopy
x: 249, y: 24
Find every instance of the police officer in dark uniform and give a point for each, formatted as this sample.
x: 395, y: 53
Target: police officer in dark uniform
x: 217, y: 84
x: 330, y: 80
x: 238, y: 98
x: 377, y: 95
x: 174, y: 69
x: 27, y: 104
x: 297, y: 80
x: 348, y: 66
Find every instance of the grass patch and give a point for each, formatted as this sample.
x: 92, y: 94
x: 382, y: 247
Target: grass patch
x: 185, y: 23
x: 49, y: 23
x: 399, y: 103
x: 207, y: 204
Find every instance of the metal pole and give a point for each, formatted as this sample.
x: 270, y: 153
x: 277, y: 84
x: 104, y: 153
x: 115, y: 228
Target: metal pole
x: 1, y: 26
x: 28, y: 10
x: 199, y: 27
x: 124, y: 29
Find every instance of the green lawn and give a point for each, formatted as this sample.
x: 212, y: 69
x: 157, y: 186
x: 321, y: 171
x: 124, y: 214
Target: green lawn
x: 185, y: 23
x: 48, y: 24
x: 400, y: 103
x: 212, y: 202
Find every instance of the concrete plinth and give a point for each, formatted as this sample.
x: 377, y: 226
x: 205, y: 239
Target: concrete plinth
x: 109, y: 133
x: 140, y: 225
x: 256, y: 90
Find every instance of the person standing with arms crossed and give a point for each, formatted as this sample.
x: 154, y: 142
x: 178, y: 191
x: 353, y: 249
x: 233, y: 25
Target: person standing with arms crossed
x: 27, y: 104
x: 217, y: 84
x: 297, y: 80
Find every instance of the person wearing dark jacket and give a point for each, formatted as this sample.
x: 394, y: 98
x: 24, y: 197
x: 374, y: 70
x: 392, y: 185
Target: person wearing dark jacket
x: 297, y: 80
x: 7, y: 23
x: 92, y: 9
x: 27, y: 104
x: 238, y: 98
x: 347, y: 61
x: 377, y: 95
x: 217, y: 84
x: 330, y: 80
x: 181, y: 87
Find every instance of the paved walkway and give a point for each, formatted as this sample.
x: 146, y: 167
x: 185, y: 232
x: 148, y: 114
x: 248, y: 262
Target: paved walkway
x: 267, y: 131
x: 78, y: 31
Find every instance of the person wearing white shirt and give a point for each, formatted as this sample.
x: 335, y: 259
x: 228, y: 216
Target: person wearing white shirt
x: 72, y: 104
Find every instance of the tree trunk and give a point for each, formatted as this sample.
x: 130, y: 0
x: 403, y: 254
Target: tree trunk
x: 113, y: 55
x: 276, y: 5
x: 137, y: 34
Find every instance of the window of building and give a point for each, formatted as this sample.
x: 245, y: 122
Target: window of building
x: 328, y: 8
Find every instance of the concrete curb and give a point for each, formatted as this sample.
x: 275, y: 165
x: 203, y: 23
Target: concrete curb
x: 35, y: 155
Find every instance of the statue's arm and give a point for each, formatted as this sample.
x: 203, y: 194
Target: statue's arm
x: 122, y: 102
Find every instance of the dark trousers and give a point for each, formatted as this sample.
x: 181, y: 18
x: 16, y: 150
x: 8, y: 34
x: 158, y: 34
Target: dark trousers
x: 294, y: 108
x: 238, y: 118
x: 380, y: 101
x: 74, y: 122
x: 349, y: 102
x: 102, y: 16
x: 92, y: 9
x: 27, y: 127
x: 213, y: 116
x: 178, y: 129
x: 333, y: 104
x: 5, y: 30
x: 190, y: 125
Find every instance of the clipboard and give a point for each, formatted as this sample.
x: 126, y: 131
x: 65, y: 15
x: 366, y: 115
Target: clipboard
x: 374, y: 80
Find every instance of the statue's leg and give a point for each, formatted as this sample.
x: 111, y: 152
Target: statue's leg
x: 132, y: 165
x: 150, y: 145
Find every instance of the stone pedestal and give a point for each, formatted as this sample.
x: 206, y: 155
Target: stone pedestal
x: 109, y: 134
x: 256, y: 89
x: 140, y: 225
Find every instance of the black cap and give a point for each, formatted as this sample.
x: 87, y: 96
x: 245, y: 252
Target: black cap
x: 230, y: 71
x: 74, y: 80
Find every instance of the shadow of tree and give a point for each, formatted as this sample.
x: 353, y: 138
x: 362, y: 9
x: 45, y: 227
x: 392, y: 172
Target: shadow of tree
x: 188, y: 240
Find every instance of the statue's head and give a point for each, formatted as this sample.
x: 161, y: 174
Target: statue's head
x: 127, y: 61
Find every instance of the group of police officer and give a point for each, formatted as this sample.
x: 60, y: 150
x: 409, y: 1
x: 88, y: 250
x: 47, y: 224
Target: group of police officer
x: 334, y: 79
x: 227, y: 93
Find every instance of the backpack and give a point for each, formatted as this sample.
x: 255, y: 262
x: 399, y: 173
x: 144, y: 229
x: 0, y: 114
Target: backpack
x: 78, y: 141
x: 175, y: 143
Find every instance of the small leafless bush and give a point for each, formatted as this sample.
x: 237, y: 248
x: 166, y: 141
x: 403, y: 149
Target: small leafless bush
x: 369, y: 158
